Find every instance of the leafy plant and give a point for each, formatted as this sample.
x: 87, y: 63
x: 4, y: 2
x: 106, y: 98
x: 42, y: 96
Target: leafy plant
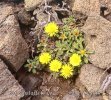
x: 64, y: 45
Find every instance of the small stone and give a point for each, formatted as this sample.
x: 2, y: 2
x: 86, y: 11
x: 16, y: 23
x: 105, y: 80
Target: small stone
x: 91, y: 77
x: 35, y: 11
x: 72, y: 95
x: 24, y: 17
x: 32, y: 4
x: 98, y: 39
x: 32, y: 18
x: 105, y: 96
x: 87, y: 6
x: 108, y: 17
x: 106, y: 3
x: 31, y: 82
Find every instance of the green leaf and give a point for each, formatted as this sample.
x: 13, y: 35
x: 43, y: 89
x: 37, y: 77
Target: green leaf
x: 72, y: 50
x: 35, y: 67
x: 29, y: 69
x: 86, y: 60
x: 81, y: 46
x: 34, y: 71
x: 58, y: 44
x: 76, y: 46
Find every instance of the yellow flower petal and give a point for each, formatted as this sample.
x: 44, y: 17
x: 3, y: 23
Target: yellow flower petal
x: 51, y: 29
x: 63, y: 37
x: 82, y: 52
x: 66, y: 71
x: 45, y: 58
x: 76, y: 32
x: 55, y: 65
x: 75, y: 60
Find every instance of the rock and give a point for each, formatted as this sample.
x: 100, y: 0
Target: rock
x: 105, y: 7
x: 106, y: 3
x: 109, y: 95
x: 36, y: 98
x: 32, y: 4
x: 13, y: 47
x: 4, y: 13
x: 106, y: 87
x: 42, y: 98
x: 24, y: 17
x: 46, y: 98
x: 31, y: 82
x: 35, y: 12
x: 87, y: 6
x: 108, y: 17
x: 84, y: 93
x: 105, y: 96
x: 72, y: 95
x: 28, y: 98
x: 91, y: 77
x: 9, y: 87
x: 96, y: 98
x: 98, y: 39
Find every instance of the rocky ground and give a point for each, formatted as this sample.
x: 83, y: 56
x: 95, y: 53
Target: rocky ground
x: 20, y: 20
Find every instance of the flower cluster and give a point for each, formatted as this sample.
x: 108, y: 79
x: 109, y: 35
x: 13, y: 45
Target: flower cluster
x: 65, y: 70
x: 62, y: 50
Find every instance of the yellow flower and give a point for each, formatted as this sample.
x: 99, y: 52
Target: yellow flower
x: 45, y: 58
x: 55, y: 65
x: 51, y: 29
x: 75, y: 60
x: 63, y: 37
x: 83, y: 52
x: 76, y: 32
x: 66, y: 71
